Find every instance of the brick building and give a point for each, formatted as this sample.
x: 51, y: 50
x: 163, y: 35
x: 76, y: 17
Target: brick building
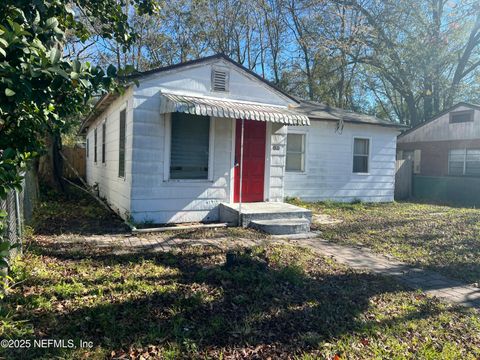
x: 447, y: 145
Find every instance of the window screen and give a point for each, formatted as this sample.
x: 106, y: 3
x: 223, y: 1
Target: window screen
x: 415, y: 156
x: 189, y: 146
x: 472, y: 166
x: 464, y: 162
x: 456, y: 162
x: 361, y: 149
x: 121, y: 147
x: 104, y: 136
x: 461, y: 116
x: 95, y: 145
x: 295, y: 152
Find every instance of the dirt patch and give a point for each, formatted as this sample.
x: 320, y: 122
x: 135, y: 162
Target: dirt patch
x: 324, y: 219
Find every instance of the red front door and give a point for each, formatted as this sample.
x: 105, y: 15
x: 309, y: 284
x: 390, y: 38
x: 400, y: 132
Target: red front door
x: 254, y: 138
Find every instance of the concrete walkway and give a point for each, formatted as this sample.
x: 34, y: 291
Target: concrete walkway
x: 430, y: 282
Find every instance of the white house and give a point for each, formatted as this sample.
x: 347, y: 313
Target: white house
x: 348, y: 156
x: 175, y: 147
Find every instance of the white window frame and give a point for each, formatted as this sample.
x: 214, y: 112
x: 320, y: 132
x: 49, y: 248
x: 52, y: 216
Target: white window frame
x: 369, y: 157
x: 167, y: 152
x: 464, y: 162
x: 305, y: 162
x: 464, y: 172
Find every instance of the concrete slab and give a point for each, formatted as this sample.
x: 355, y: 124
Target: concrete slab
x: 266, y: 207
x: 308, y: 235
x: 282, y: 226
x: 229, y: 212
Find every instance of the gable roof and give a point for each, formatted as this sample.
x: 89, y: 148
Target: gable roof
x: 314, y: 110
x: 105, y: 100
x: 462, y: 103
x: 218, y: 56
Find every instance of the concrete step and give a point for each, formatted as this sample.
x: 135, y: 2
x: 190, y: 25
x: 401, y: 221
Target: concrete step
x: 282, y: 226
x: 261, y: 211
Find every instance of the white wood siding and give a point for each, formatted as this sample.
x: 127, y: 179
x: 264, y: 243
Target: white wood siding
x: 329, y: 163
x: 441, y: 129
x: 157, y: 200
x: 196, y: 80
x: 147, y: 195
x: 114, y: 189
x: 277, y: 134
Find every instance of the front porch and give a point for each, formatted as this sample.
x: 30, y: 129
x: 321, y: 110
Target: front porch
x: 272, y: 217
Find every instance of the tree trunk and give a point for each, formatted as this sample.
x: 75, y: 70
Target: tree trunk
x: 412, y: 110
x: 50, y: 168
x: 311, y: 91
x: 427, y: 99
x: 461, y: 71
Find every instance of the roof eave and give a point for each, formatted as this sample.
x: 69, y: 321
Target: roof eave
x: 99, y: 107
x: 392, y: 125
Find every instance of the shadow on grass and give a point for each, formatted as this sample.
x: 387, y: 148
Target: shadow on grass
x: 258, y: 303
x: 74, y: 212
x: 445, y: 241
x: 446, y: 203
x: 361, y: 226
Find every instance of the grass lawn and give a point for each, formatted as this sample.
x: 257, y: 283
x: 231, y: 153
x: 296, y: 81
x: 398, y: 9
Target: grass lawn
x: 276, y: 301
x: 441, y: 238
x: 272, y: 301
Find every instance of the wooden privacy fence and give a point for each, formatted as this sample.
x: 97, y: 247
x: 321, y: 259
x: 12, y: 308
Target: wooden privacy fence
x: 76, y: 157
x: 403, y: 179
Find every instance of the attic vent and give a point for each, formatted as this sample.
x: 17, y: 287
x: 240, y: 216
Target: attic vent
x: 219, y: 80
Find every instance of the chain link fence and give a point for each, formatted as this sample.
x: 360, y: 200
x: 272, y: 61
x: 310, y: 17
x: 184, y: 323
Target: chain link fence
x: 13, y: 222
x: 19, y: 207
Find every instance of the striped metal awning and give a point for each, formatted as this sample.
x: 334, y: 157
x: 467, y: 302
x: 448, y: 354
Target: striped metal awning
x: 231, y: 109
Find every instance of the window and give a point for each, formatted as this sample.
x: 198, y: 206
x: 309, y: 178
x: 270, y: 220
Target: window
x: 189, y: 146
x: 456, y: 162
x: 295, y: 153
x: 121, y: 144
x: 464, y: 162
x: 407, y: 155
x: 361, y: 150
x: 104, y: 136
x: 95, y: 145
x: 472, y: 162
x: 461, y: 116
x: 88, y: 148
x: 415, y: 156
x: 417, y: 159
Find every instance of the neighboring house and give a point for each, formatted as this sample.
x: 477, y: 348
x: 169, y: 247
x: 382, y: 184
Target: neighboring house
x: 447, y: 145
x: 170, y: 150
x: 446, y: 155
